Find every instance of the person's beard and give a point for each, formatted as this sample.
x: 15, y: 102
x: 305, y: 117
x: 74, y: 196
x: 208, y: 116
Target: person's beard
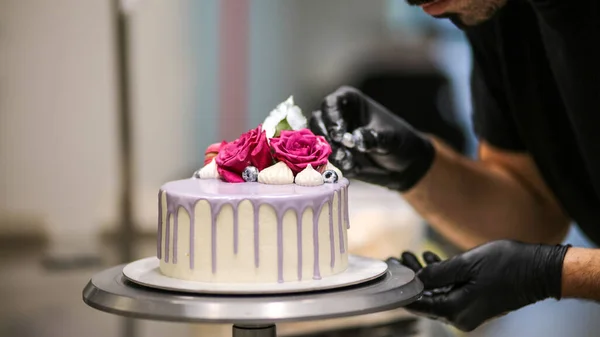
x: 475, y: 13
x: 419, y: 2
x: 453, y: 17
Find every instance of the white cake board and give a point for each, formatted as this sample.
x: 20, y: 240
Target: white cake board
x: 146, y: 272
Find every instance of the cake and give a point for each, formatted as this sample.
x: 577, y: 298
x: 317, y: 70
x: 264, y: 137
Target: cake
x: 267, y: 207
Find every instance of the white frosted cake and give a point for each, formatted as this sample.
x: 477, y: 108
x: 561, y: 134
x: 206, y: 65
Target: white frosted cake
x: 266, y: 208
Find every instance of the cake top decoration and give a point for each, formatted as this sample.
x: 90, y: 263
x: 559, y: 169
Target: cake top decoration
x: 282, y: 145
x: 309, y: 177
x: 300, y: 148
x: 250, y: 149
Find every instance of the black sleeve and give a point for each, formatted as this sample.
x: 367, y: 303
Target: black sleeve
x: 492, y: 119
x: 567, y: 14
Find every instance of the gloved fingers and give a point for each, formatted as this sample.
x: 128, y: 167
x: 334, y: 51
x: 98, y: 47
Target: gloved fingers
x: 409, y: 260
x: 444, y: 273
x: 356, y: 164
x: 393, y: 260
x: 340, y: 157
x: 364, y: 139
x: 435, y: 306
x: 333, y: 115
x: 343, y: 159
x: 451, y: 307
x: 431, y: 257
x: 317, y: 126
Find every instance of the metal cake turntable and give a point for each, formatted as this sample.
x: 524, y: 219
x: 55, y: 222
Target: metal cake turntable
x: 251, y: 314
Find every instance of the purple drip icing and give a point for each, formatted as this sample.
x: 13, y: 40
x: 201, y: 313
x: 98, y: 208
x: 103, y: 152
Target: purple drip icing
x: 281, y: 209
x: 192, y: 235
x: 174, y: 202
x: 346, y: 216
x: 168, y: 230
x: 331, y: 235
x: 316, y: 268
x: 340, y: 223
x: 159, y: 237
x: 175, y: 231
x: 186, y: 193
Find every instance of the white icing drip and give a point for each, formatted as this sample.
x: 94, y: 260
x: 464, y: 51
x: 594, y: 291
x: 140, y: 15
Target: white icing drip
x: 209, y: 171
x: 278, y: 174
x: 335, y: 169
x: 309, y: 177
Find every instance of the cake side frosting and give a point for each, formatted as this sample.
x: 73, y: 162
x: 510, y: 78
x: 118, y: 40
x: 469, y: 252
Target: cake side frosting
x: 321, y: 210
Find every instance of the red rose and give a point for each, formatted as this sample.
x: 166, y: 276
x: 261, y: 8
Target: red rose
x: 299, y: 148
x: 251, y: 149
x: 212, y: 151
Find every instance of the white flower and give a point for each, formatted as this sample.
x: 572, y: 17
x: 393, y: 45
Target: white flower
x: 286, y: 116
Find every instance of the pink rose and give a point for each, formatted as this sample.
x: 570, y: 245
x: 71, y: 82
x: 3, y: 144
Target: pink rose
x: 212, y: 151
x: 299, y: 148
x: 251, y: 149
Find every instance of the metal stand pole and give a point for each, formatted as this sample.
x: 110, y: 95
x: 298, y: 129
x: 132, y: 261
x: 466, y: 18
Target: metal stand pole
x: 254, y: 330
x: 126, y: 227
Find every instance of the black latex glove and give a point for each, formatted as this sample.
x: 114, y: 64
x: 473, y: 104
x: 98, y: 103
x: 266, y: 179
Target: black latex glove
x: 388, y: 151
x: 486, y: 282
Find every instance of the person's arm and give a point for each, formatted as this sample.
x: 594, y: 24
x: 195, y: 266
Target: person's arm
x: 500, y: 196
x: 581, y: 274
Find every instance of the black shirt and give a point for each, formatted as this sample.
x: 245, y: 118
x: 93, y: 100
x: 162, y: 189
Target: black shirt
x: 536, y: 89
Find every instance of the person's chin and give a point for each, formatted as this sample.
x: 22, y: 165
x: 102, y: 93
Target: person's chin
x: 454, y: 18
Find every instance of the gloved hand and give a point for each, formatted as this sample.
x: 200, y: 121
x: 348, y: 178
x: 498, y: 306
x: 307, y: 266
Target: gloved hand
x: 384, y: 149
x: 487, y: 281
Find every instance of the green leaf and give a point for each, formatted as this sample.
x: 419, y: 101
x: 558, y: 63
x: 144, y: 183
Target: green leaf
x: 283, y: 125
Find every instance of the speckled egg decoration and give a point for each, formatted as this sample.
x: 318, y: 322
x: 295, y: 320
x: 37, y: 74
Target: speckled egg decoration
x: 250, y: 174
x: 330, y: 177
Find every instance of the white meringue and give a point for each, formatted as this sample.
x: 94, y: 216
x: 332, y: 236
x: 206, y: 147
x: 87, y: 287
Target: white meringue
x: 209, y: 171
x: 309, y: 177
x: 278, y: 174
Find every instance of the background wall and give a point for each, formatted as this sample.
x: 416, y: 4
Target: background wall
x: 58, y: 169
x: 303, y: 47
x: 59, y: 140
x: 175, y: 94
x: 59, y: 131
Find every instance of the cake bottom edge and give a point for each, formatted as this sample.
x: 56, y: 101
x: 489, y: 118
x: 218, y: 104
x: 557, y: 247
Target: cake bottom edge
x: 252, y: 274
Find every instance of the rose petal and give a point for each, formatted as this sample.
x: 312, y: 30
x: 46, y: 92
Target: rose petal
x: 251, y: 148
x: 299, y: 148
x: 229, y: 176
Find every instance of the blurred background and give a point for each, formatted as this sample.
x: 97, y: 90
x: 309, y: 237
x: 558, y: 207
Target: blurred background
x: 101, y: 102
